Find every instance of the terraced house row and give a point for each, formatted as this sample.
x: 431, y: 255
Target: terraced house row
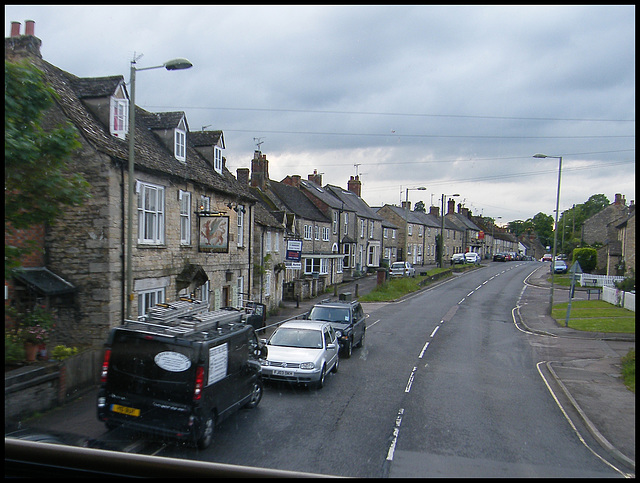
x: 198, y: 229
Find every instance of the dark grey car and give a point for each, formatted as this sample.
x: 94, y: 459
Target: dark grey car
x: 347, y: 319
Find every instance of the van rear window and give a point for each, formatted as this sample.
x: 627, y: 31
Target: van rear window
x: 152, y: 368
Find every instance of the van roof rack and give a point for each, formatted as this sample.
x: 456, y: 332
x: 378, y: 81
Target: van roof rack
x: 186, y: 317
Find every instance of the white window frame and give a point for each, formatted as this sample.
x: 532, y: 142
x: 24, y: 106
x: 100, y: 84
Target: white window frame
x: 240, y: 225
x: 307, y: 232
x: 180, y: 142
x: 217, y: 159
x: 267, y: 241
x: 150, y: 214
x: 185, y: 217
x: 325, y: 233
x: 119, y: 117
x: 149, y: 298
x: 336, y: 219
x: 361, y: 228
x: 370, y: 229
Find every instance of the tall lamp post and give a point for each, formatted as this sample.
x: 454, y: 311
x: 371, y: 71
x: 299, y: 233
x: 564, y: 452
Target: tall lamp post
x: 441, y: 254
x: 493, y: 238
x: 555, y: 228
x: 174, y: 64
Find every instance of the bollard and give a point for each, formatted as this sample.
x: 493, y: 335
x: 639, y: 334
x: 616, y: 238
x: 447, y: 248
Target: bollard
x: 356, y: 290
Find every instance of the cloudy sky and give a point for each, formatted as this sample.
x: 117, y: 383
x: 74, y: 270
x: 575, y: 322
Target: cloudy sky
x: 456, y: 99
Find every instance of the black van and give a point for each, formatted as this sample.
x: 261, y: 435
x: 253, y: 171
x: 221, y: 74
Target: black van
x: 178, y: 378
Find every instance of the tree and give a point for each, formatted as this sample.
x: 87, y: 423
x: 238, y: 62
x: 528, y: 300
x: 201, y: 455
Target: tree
x: 543, y: 227
x: 587, y: 258
x: 38, y: 185
x: 420, y: 207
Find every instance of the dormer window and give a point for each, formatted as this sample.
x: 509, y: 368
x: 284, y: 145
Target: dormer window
x: 180, y: 142
x: 119, y: 114
x: 217, y: 159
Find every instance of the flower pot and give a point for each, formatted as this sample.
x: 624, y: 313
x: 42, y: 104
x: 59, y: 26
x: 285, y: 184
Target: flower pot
x: 30, y: 350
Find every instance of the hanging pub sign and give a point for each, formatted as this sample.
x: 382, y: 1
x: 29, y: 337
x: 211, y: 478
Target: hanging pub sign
x: 213, y: 234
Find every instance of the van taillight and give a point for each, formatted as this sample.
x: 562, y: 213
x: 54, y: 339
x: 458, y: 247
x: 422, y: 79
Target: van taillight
x: 105, y: 365
x: 197, y: 390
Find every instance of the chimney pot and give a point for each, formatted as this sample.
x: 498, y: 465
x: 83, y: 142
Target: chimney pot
x: 29, y: 27
x: 15, y: 29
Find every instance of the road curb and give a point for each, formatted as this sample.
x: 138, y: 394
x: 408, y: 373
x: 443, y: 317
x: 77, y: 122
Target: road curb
x: 612, y: 450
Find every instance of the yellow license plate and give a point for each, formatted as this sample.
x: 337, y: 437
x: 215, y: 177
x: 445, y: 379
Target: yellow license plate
x: 116, y: 408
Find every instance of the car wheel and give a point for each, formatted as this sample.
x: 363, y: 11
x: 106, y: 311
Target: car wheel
x: 206, y: 436
x: 348, y: 348
x: 361, y: 343
x: 334, y: 369
x: 323, y: 373
x: 256, y: 394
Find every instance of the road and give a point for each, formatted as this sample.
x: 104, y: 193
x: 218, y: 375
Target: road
x: 446, y: 385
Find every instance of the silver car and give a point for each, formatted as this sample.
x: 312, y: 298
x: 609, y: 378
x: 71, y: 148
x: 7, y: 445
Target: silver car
x: 402, y: 269
x: 301, y: 351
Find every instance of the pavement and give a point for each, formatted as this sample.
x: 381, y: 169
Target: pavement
x: 584, y: 370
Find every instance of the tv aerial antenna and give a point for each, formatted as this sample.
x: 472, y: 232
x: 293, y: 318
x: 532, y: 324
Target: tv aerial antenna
x: 258, y: 142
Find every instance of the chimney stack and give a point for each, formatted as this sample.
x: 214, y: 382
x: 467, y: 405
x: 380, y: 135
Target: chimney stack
x: 242, y: 175
x: 315, y: 177
x: 354, y: 185
x: 435, y: 211
x: 259, y: 170
x: 29, y: 26
x: 451, y: 206
x: 15, y: 29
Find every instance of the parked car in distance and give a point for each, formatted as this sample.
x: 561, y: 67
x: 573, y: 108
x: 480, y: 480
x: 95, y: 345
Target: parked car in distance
x: 301, y: 351
x: 402, y: 269
x: 457, y: 258
x: 472, y: 257
x: 346, y: 318
x: 559, y: 266
x: 547, y: 257
x: 499, y: 257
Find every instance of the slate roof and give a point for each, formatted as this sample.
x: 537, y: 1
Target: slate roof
x: 353, y: 202
x: 151, y: 155
x: 296, y: 202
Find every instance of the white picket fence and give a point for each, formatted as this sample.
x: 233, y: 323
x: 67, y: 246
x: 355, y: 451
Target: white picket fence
x: 588, y: 280
x: 618, y: 297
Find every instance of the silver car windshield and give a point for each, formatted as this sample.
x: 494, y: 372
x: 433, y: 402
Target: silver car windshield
x: 301, y: 338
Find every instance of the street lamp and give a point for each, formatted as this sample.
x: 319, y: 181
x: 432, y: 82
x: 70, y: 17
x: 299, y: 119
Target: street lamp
x: 493, y: 238
x: 406, y: 219
x: 555, y: 228
x: 441, y: 254
x: 174, y: 64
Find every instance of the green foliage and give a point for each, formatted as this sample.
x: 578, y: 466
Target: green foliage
x: 38, y: 184
x: 629, y: 370
x: 587, y: 258
x: 543, y: 226
x: 13, y: 347
x: 628, y: 284
x: 61, y: 352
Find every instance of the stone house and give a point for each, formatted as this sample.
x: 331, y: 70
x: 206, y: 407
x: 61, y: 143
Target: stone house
x: 342, y: 232
x: 417, y: 232
x: 364, y: 227
x: 190, y: 222
x: 471, y: 241
x: 627, y: 238
x: 320, y: 266
x: 600, y: 231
